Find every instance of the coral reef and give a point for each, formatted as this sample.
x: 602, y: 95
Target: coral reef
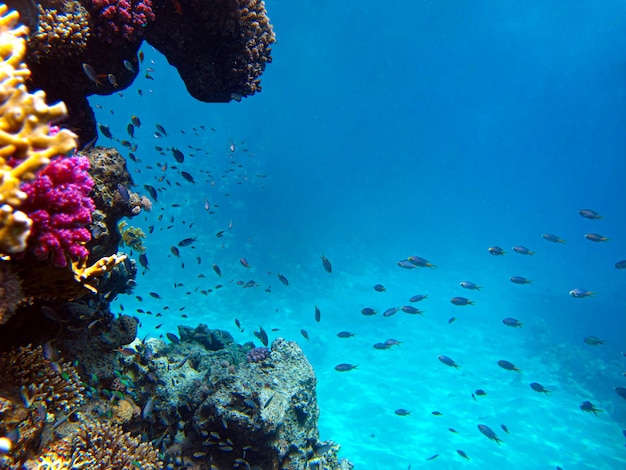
x: 101, y: 446
x: 10, y: 292
x: 32, y: 391
x: 120, y: 20
x: 63, y: 29
x: 219, y: 47
x: 26, y: 144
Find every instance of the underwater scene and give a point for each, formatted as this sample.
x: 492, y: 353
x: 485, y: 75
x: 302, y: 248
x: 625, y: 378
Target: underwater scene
x: 312, y: 235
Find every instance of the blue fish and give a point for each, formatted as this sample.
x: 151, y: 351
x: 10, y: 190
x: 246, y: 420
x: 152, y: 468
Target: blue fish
x: 488, y: 432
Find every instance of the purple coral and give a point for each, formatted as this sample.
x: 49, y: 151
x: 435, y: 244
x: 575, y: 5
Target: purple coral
x: 59, y: 205
x: 258, y: 354
x: 120, y: 19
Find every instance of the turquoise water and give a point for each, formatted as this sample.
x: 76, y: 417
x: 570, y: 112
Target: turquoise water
x: 435, y: 129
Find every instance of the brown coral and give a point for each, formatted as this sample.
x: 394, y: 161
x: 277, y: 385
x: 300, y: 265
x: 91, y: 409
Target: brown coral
x: 63, y: 30
x: 102, y: 446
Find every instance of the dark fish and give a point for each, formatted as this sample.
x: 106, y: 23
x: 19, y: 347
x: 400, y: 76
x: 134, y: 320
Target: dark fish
x: 432, y: 457
x: 496, y: 250
x: 508, y: 366
x: 238, y: 323
x: 175, y: 251
x: 135, y: 120
x: 436, y: 413
x: 469, y: 285
x: 148, y: 408
x: 172, y: 337
x: 305, y: 334
x: 406, y: 264
x: 345, y: 334
x: 593, y: 341
x: 262, y: 336
x: 326, y: 263
x: 345, y: 367
x: 143, y: 260
x: 178, y: 155
x: 519, y: 280
x: 589, y: 214
x: 91, y: 74
x: 461, y: 301
x: 187, y: 241
x: 368, y: 312
x: 462, y: 454
x: 621, y: 392
x: 188, y: 177
x: 480, y: 393
x: 537, y: 387
x: 381, y: 346
x: 379, y: 288
x: 522, y: 250
x: 318, y: 314
x: 448, y: 361
x: 151, y: 191
x: 105, y: 130
x: 451, y: 320
x: 50, y: 353
x: 161, y: 129
x: 512, y: 322
x: 123, y: 190
x: 402, y: 412
x: 504, y: 428
x: 244, y: 262
x: 552, y: 238
x: 595, y: 237
x: 589, y: 407
x: 282, y: 279
x: 488, y: 432
x: 410, y: 309
x: 129, y: 66
x: 418, y: 298
x: 390, y: 311
x: 155, y: 295
x: 621, y: 264
x: 217, y: 270
x: 131, y: 130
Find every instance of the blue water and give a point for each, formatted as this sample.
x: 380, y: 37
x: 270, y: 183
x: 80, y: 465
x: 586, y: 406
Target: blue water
x: 425, y: 128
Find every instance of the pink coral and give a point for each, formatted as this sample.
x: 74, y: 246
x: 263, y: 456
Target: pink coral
x: 120, y: 19
x: 59, y: 205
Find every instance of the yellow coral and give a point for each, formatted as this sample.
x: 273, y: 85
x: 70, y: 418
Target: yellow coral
x: 24, y: 131
x: 83, y: 273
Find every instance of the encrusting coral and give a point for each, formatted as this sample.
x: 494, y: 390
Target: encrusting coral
x: 25, y: 138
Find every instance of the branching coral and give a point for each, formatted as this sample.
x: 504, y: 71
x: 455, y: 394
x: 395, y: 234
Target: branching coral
x: 24, y: 132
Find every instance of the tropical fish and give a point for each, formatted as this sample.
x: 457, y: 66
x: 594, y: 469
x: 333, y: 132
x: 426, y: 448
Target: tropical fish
x: 496, y: 251
x: 345, y: 367
x: 406, y: 264
x: 448, y: 361
x: 504, y: 428
x: 305, y: 334
x: 589, y: 407
x: 432, y: 457
x: 262, y: 336
x: 402, y: 412
x: 106, y: 131
x: 621, y: 264
x: 552, y: 238
x: 379, y: 288
x: 187, y: 241
x: 411, y: 310
x: 283, y: 279
x: 172, y: 337
x: 593, y: 341
x: 462, y: 454
x: 217, y: 270
x: 178, y: 155
x: 522, y: 250
x: 461, y: 301
x: 508, y: 366
x: 318, y: 314
x: 420, y: 262
x: 244, y: 262
x: 515, y: 323
x: 621, y: 392
x: 519, y: 280
x: 175, y: 251
x: 130, y: 128
x: 537, y: 387
x: 345, y: 334
x: 390, y: 311
x: 91, y: 74
x: 589, y: 214
x: 129, y: 66
x: 488, y: 432
x: 136, y: 121
x: 381, y: 346
x: 580, y: 293
x: 143, y: 260
x: 595, y: 237
x: 188, y: 177
x: 368, y: 311
x: 469, y: 285
x: 417, y: 298
x: 112, y: 80
x: 161, y: 129
x: 326, y: 263
x: 151, y: 191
